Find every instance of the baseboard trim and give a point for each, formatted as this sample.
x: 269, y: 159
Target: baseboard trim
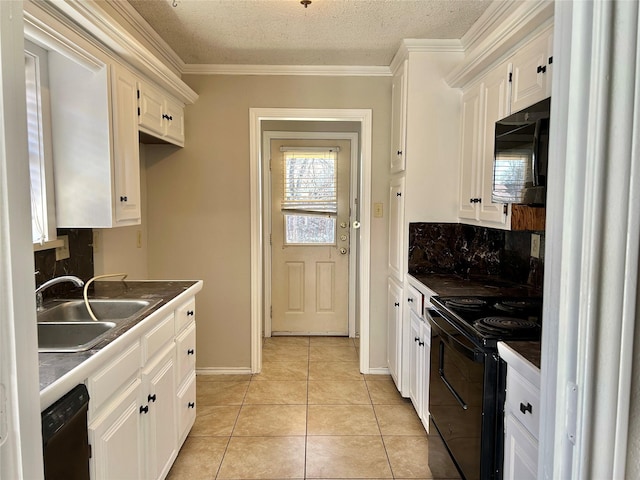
x: 223, y: 371
x: 379, y: 371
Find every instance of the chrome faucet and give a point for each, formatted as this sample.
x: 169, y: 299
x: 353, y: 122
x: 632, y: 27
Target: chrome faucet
x: 54, y: 281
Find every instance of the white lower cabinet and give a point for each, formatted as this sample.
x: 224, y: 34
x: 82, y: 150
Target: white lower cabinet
x: 521, y: 417
x: 419, y: 363
x: 116, y: 438
x: 159, y: 421
x: 143, y: 401
x: 394, y: 331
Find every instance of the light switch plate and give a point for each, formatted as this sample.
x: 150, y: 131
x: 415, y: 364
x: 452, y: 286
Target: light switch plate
x: 535, y: 245
x: 63, y: 251
x: 378, y: 211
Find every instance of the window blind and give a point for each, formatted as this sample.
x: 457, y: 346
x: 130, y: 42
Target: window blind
x: 310, y: 182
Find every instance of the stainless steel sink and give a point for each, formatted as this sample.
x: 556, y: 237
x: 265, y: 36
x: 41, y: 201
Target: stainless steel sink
x: 71, y: 336
x: 66, y: 326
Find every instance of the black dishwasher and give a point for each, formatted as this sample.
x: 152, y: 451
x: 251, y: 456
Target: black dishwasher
x: 65, y: 443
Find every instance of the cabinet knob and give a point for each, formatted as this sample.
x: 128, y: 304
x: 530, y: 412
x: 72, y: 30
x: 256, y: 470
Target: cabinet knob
x: 191, y: 351
x: 123, y: 198
x: 396, y: 304
x: 420, y: 344
x: 399, y: 194
x: 189, y: 313
x: 191, y: 405
x: 410, y: 300
x: 144, y: 409
x: 151, y: 398
x: 416, y: 339
x: 475, y: 200
x: 542, y: 68
x: 524, y: 409
x: 399, y: 152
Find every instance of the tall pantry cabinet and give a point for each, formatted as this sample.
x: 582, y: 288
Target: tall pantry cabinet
x: 423, y: 173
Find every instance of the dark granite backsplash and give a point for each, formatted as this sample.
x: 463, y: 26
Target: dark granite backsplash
x: 79, y: 263
x: 470, y: 250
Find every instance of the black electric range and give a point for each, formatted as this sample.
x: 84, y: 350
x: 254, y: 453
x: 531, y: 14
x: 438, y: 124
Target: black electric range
x: 467, y: 377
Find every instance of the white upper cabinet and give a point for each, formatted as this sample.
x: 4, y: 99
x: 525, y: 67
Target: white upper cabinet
x: 519, y: 81
x: 396, y: 228
x: 160, y: 115
x: 531, y: 71
x: 95, y: 144
x: 399, y: 118
x: 126, y: 162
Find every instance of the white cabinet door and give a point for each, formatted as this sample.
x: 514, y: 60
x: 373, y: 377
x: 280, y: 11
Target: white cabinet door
x: 415, y: 361
x: 470, y: 154
x: 520, y: 452
x: 426, y: 366
x: 151, y: 104
x: 399, y: 118
x: 394, y: 330
x: 158, y: 380
x: 531, y: 80
x: 126, y: 160
x: 186, y: 407
x: 494, y: 95
x: 186, y: 352
x: 174, y: 122
x: 116, y: 438
x: 396, y: 227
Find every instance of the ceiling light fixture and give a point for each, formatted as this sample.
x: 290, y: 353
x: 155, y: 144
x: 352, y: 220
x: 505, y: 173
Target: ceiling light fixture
x: 306, y: 3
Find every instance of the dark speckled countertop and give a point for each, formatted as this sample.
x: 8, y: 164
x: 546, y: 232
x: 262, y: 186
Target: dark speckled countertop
x: 530, y: 351
x: 474, y: 285
x: 55, y: 365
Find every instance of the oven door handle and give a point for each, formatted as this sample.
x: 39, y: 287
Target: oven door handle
x: 455, y: 394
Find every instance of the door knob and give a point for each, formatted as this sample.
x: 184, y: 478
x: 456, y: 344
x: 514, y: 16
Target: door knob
x: 343, y: 251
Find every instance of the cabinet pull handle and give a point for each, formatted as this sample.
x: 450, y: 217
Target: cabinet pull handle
x: 191, y: 405
x: 151, y: 398
x: 190, y: 351
x: 396, y: 304
x: 524, y: 409
x: 123, y: 198
x: 144, y: 409
x: 189, y: 313
x: 542, y: 69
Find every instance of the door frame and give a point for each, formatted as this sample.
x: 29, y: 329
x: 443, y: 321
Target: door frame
x: 266, y: 215
x: 256, y: 117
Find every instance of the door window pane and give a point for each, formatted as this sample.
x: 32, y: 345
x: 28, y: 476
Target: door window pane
x: 310, y: 202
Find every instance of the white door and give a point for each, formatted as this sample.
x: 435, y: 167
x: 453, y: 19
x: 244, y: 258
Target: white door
x: 310, y: 228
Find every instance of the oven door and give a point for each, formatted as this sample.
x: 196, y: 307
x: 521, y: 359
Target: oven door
x: 458, y: 397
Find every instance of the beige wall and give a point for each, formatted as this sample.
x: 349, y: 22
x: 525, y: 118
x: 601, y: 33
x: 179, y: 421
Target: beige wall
x: 199, y: 200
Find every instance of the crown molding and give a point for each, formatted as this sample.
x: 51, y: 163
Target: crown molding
x: 309, y: 70
x: 498, y: 30
x: 141, y: 26
x: 90, y: 17
x: 412, y: 45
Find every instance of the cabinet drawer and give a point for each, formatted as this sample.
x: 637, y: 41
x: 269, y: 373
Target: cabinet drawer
x: 523, y: 400
x: 155, y: 339
x: 186, y: 408
x: 110, y: 379
x: 185, y: 314
x: 186, y: 352
x: 415, y: 300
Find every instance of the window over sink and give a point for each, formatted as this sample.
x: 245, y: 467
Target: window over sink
x: 43, y: 220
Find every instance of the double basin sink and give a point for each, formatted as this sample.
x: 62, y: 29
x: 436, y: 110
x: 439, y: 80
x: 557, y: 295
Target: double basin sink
x: 66, y: 325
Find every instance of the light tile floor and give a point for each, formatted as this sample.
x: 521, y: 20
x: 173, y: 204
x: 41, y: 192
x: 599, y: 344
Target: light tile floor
x: 309, y: 414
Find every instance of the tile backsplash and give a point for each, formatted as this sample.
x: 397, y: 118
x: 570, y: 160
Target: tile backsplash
x: 471, y: 250
x: 79, y: 263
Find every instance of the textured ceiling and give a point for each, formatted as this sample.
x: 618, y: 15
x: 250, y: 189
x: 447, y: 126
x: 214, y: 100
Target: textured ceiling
x: 283, y: 32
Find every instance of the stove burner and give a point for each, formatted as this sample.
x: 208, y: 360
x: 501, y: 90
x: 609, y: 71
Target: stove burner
x: 466, y: 303
x: 516, y: 305
x: 494, y: 325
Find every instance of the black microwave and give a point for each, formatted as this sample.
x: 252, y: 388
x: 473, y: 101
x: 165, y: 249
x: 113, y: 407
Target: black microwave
x: 521, y: 156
